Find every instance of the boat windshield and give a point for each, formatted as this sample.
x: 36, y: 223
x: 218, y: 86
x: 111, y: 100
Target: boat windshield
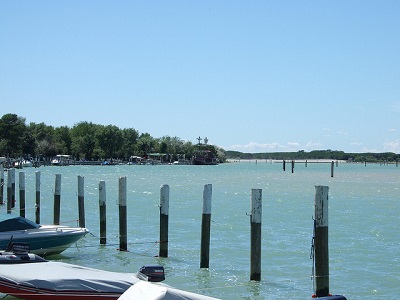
x: 17, y: 223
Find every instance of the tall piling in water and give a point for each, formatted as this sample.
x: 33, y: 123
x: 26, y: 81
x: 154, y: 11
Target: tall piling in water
x: 9, y: 194
x: 81, y: 201
x: 206, y: 227
x: 22, y: 194
x: 321, y: 242
x: 37, y: 200
x: 123, y: 228
x: 255, y: 222
x: 164, y: 212
x: 12, y: 176
x: 57, y: 199
x: 103, y: 209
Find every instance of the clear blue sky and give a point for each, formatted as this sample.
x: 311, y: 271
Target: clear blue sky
x: 253, y: 76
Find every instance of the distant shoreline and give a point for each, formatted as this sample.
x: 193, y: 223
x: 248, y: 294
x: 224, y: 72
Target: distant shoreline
x: 232, y: 160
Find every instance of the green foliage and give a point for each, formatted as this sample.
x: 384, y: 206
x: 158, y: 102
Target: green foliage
x: 317, y: 154
x: 13, y: 135
x: 86, y: 140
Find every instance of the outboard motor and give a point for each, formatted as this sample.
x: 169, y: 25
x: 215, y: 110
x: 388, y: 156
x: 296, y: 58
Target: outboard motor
x: 18, y: 248
x: 152, y: 273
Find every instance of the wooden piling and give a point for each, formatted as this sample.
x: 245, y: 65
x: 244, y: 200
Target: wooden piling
x: 292, y: 166
x: 206, y: 227
x: 255, y: 221
x: 284, y: 165
x: 1, y: 184
x: 57, y: 199
x: 13, y: 200
x: 164, y: 212
x: 332, y: 168
x: 81, y: 200
x: 123, y: 229
x: 103, y: 219
x: 9, y: 194
x: 22, y: 194
x: 37, y: 202
x: 321, y: 242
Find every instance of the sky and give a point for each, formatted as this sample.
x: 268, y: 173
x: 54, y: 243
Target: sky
x: 251, y: 76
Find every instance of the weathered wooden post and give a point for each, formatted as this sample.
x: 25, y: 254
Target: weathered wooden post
x: 292, y: 166
x: 13, y: 200
x: 332, y: 168
x: 57, y: 199
x: 1, y: 184
x: 321, y: 242
x: 306, y: 163
x: 255, y: 220
x: 103, y: 220
x: 206, y: 227
x: 123, y: 229
x: 164, y: 211
x: 9, y: 194
x: 22, y: 194
x: 284, y: 165
x: 81, y: 200
x: 37, y: 202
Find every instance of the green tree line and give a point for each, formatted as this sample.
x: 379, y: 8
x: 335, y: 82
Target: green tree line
x: 318, y: 154
x: 86, y: 140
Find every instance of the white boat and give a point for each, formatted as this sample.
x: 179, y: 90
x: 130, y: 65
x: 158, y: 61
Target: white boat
x: 25, y: 163
x: 149, y: 291
x: 42, y: 239
x: 61, y: 160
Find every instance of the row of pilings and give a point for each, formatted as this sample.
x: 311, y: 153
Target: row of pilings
x: 320, y: 238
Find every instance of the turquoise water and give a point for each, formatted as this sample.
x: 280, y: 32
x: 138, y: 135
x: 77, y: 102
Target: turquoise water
x: 364, y: 240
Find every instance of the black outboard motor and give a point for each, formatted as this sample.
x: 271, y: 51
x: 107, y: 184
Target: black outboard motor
x: 18, y: 248
x: 152, y: 273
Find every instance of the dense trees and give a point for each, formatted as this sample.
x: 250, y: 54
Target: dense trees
x: 317, y: 154
x: 86, y: 140
x: 89, y: 141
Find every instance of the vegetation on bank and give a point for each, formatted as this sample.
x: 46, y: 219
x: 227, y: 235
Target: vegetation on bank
x: 318, y: 154
x: 89, y: 141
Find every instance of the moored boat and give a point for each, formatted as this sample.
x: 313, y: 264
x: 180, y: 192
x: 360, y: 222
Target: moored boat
x: 147, y: 291
x: 204, y: 157
x: 63, y: 281
x: 42, y: 239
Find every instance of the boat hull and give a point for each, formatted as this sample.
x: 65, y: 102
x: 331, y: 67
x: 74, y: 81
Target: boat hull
x: 46, y: 240
x: 62, y: 281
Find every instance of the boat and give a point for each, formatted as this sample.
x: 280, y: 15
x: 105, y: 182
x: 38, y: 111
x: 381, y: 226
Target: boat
x: 61, y: 160
x: 62, y: 281
x: 204, y: 154
x: 204, y: 157
x: 24, y: 163
x: 147, y: 291
x: 42, y: 239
